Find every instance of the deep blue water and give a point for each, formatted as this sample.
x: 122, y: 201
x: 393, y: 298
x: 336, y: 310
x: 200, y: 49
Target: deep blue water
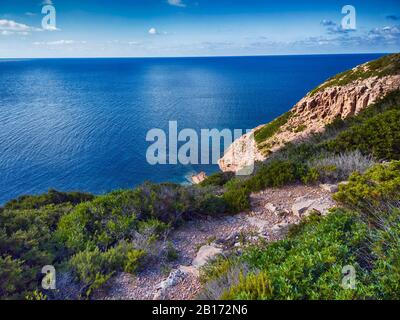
x: 80, y: 124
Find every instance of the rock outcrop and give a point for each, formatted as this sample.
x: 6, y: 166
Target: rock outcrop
x: 199, y: 178
x: 242, y: 153
x: 311, y: 115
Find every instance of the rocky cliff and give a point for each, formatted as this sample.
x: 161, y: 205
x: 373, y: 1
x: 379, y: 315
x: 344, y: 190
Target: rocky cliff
x: 341, y: 96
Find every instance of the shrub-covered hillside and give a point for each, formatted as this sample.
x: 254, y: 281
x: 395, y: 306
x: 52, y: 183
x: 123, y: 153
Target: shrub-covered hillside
x: 92, y: 237
x: 363, y: 233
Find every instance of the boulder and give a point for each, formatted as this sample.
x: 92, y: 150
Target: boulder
x: 199, y: 178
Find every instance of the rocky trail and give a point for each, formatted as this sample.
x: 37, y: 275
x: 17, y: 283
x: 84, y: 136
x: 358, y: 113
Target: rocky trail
x: 273, y: 212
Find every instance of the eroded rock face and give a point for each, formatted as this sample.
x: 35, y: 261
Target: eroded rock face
x: 242, y: 153
x: 311, y: 115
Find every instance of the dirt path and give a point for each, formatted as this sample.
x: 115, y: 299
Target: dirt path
x: 273, y: 211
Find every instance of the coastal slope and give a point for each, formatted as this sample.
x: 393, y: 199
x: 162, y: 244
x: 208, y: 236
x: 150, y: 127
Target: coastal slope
x: 340, y: 97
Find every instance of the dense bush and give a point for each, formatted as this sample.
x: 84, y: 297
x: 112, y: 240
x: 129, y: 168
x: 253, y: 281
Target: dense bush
x: 26, y: 239
x: 94, y: 267
x: 378, y: 185
x: 52, y: 197
x: 11, y: 277
x: 217, y: 179
x: 379, y: 136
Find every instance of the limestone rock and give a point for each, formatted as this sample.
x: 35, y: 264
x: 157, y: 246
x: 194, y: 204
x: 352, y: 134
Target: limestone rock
x: 205, y: 254
x: 301, y: 206
x: 332, y: 188
x: 304, y: 206
x: 199, y: 178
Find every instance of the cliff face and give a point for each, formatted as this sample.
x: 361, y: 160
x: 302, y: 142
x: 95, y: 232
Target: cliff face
x: 311, y: 114
x: 241, y: 154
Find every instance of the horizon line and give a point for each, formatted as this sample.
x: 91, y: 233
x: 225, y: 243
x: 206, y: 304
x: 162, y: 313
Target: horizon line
x: 200, y: 56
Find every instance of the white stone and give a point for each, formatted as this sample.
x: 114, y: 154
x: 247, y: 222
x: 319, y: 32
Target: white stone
x: 270, y: 207
x: 205, y: 254
x: 301, y: 206
x: 332, y: 188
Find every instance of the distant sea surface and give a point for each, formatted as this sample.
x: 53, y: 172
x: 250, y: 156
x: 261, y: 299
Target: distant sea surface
x: 81, y: 124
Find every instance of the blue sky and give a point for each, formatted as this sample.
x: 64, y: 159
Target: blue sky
x: 137, y: 28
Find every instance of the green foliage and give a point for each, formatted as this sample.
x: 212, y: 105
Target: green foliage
x: 100, y: 222
x: 94, y: 267
x: 52, y: 197
x: 379, y: 184
x: 238, y: 199
x: 271, y: 128
x: 26, y: 236
x: 171, y: 253
x: 379, y: 136
x: 11, y: 276
x: 306, y: 266
x: 275, y: 174
x: 251, y: 287
x: 217, y: 179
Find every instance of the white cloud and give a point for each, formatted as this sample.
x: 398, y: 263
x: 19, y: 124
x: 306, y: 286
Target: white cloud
x: 176, y: 3
x: 153, y: 31
x: 11, y: 25
x: 47, y: 2
x: 58, y: 43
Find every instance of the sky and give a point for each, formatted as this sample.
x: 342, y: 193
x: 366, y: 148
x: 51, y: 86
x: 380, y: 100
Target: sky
x: 170, y: 28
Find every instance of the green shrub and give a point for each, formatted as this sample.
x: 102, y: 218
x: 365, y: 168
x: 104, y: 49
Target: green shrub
x: 271, y: 128
x: 238, y: 199
x: 250, y: 287
x: 379, y: 136
x: 52, y: 197
x: 275, y: 174
x: 378, y: 185
x: 94, y: 267
x: 217, y: 179
x: 26, y: 235
x: 306, y: 266
x: 11, y: 277
x: 100, y: 222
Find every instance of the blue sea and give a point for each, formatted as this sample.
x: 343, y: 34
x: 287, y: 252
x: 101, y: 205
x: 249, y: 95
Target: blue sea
x: 81, y: 124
